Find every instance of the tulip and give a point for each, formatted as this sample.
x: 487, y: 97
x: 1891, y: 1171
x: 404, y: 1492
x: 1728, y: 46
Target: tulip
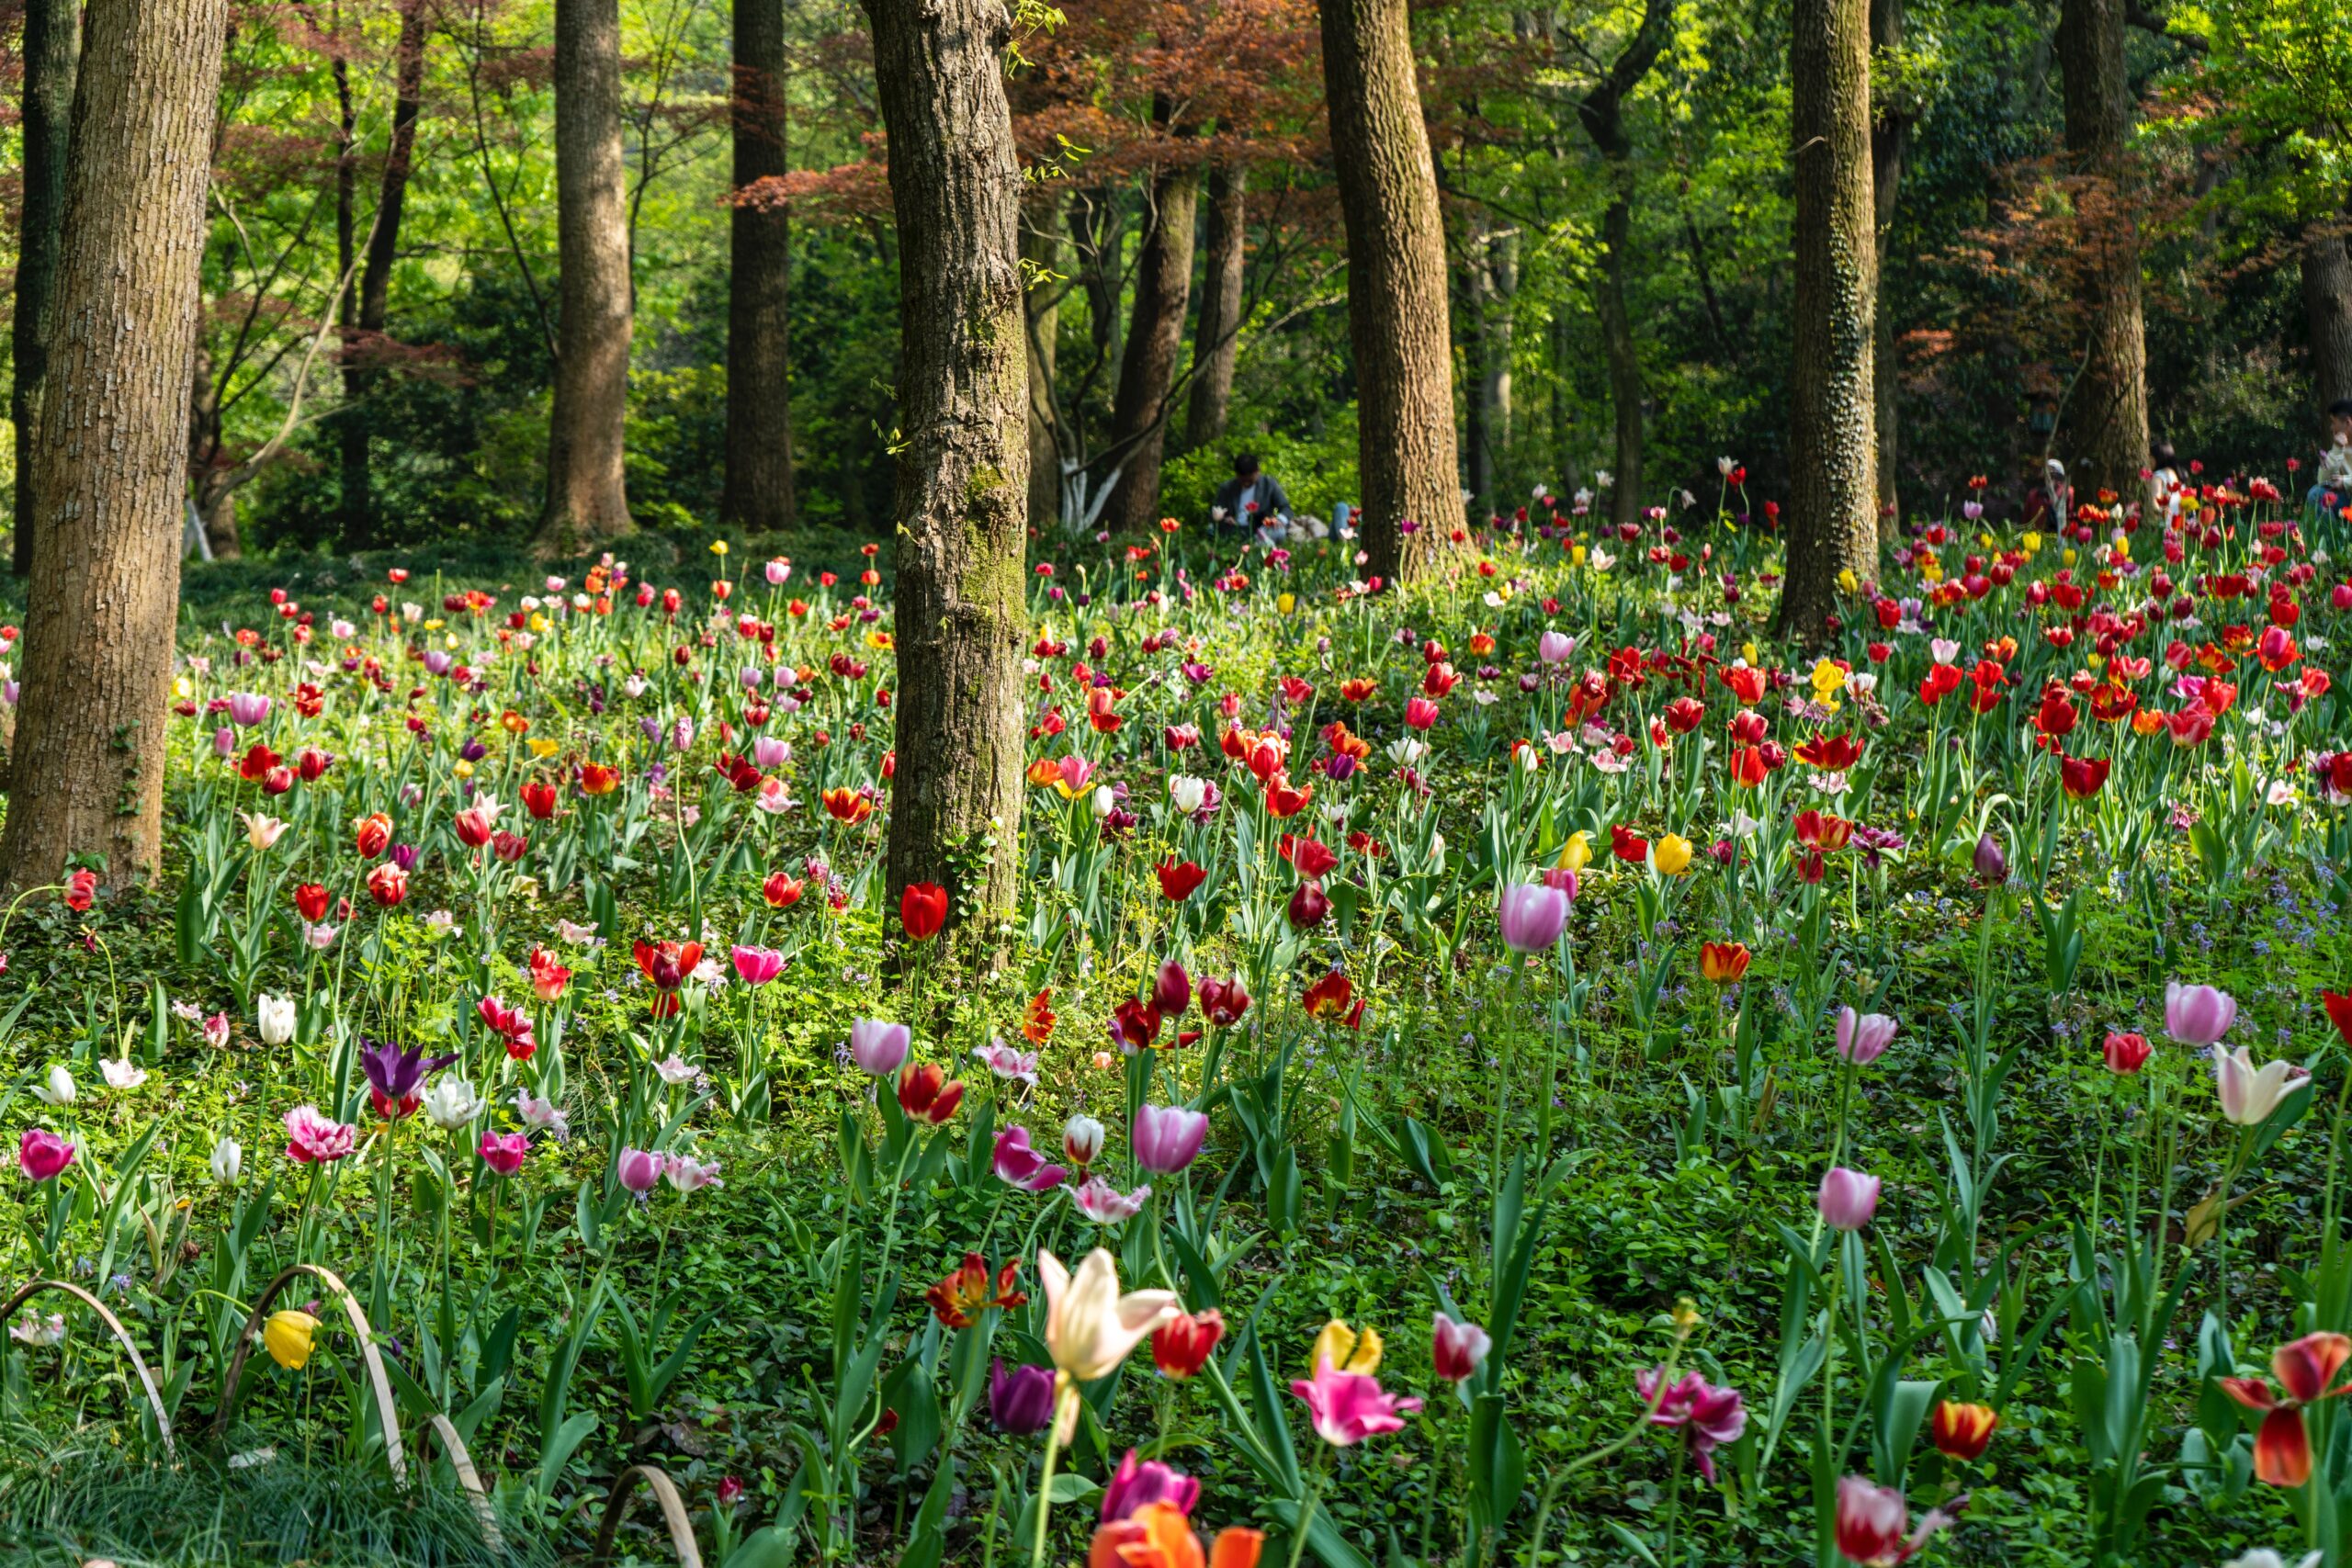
x: 1223, y: 1001
x: 1419, y: 712
x: 1018, y: 1165
x: 1165, y: 1139
x: 1091, y: 1327
x: 1308, y: 906
x: 1137, y: 1484
x: 1847, y: 1199
x: 228, y: 1161
x: 386, y: 885
x: 276, y: 1018
x: 689, y: 1175
x: 314, y: 1139
x: 1347, y: 1349
x: 1346, y: 1407
x: 1021, y: 1402
x: 451, y: 1103
x: 926, y: 1095
x: 2126, y: 1052
x: 1962, y: 1431
x: 58, y: 1088
x: 1555, y: 647
x: 1457, y: 1350
x: 1106, y: 1205
x: 2248, y: 1096
x: 1158, y: 1535
x: 878, y: 1048
x: 1532, y: 916
x: 1081, y: 1140
x: 638, y: 1169
x: 1708, y: 1416
x: 2305, y: 1367
x: 1870, y: 1520
x: 1992, y: 865
x: 2197, y: 1015
x: 394, y: 1074
x: 288, y: 1335
x: 1180, y: 1347
x: 42, y: 1155
x: 261, y: 831
x: 504, y: 1152
x: 922, y: 910
x: 248, y: 709
x: 1724, y: 962
x: 1862, y: 1038
x: 1172, y: 989
x: 758, y: 965
x: 1671, y: 855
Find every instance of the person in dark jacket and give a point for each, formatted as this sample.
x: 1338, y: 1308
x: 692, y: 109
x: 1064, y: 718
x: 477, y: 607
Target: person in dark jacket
x: 1251, y: 499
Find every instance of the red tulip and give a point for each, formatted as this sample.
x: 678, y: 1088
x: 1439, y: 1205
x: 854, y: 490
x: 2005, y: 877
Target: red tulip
x: 1178, y: 880
x: 922, y: 910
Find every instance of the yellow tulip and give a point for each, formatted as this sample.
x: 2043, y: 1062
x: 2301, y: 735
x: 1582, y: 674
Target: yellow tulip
x: 1847, y: 581
x: 462, y: 768
x: 543, y: 749
x: 1671, y: 855
x: 1347, y: 1350
x: 719, y: 547
x: 1576, y: 555
x: 1577, y: 853
x: 2069, y: 557
x: 2033, y: 542
x: 540, y: 621
x: 1284, y: 602
x: 1747, y: 651
x: 286, y: 1336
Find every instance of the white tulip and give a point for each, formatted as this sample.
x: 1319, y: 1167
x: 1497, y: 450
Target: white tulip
x: 451, y: 1102
x: 59, y: 1089
x: 228, y: 1160
x: 277, y: 1020
x: 1188, y: 792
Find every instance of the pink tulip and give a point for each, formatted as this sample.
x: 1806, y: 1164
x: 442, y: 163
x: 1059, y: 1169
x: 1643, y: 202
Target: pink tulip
x: 1018, y: 1165
x: 1457, y: 1350
x: 1862, y: 1038
x: 1166, y: 1139
x: 2197, y: 1015
x: 1847, y: 1199
x: 1348, y: 1407
x: 1171, y: 990
x: 640, y: 1170
x: 314, y: 1139
x: 1532, y: 916
x: 758, y: 965
x: 1709, y: 1417
x: 1420, y: 712
x: 42, y: 1155
x: 504, y: 1152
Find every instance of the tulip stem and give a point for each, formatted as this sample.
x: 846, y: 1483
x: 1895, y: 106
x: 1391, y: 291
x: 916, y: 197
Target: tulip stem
x: 1046, y: 1486
x: 1306, y: 1510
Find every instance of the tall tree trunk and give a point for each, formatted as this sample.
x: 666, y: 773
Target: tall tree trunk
x: 2327, y: 303
x: 1217, y: 331
x: 759, y: 494
x: 587, y: 499
x: 1041, y: 245
x: 1601, y: 111
x: 1501, y: 280
x: 1396, y: 293
x: 52, y: 45
x: 1477, y: 444
x: 2107, y: 414
x: 87, y: 779
x: 1889, y: 134
x: 209, y: 468
x: 1833, y: 452
x: 1140, y: 412
x: 361, y: 343
x: 962, y: 468
x: 1098, y: 225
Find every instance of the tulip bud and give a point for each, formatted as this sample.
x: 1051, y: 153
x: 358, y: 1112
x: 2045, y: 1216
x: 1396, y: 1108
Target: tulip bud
x: 1992, y: 865
x: 1457, y: 1350
x: 1082, y: 1140
x: 2126, y: 1053
x: 1847, y: 1199
x: 1172, y: 991
x: 228, y: 1161
x: 1308, y: 906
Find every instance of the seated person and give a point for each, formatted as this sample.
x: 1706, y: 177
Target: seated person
x: 1252, y: 503
x: 2334, y: 476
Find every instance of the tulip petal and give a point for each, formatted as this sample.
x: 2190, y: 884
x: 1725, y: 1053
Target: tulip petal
x: 2282, y: 1449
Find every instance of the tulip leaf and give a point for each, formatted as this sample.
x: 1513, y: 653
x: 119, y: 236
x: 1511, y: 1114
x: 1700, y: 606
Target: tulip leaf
x: 769, y: 1546
x: 1274, y: 1429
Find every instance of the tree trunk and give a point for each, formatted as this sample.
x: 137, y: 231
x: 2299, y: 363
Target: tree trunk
x: 210, y: 471
x: 87, y: 775
x: 52, y: 45
x: 587, y: 499
x: 1163, y: 291
x: 1889, y: 134
x: 1477, y: 445
x: 1217, y: 335
x: 359, y: 377
x: 1500, y: 273
x: 1833, y: 453
x: 956, y: 187
x: 1396, y: 293
x: 1041, y: 244
x: 2327, y: 301
x: 758, y: 495
x: 2108, y: 415
x: 1617, y: 347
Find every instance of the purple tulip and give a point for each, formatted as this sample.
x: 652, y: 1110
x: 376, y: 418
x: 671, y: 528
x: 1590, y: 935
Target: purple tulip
x: 752, y: 676
x: 1021, y: 1402
x: 437, y: 661
x: 224, y: 743
x: 1555, y: 647
x: 1167, y: 1138
x: 1139, y: 1485
x: 404, y: 856
x: 878, y: 1048
x: 640, y: 1170
x: 1992, y: 865
x: 1862, y: 1038
x: 1847, y: 1199
x: 2197, y: 1015
x: 1532, y: 916
x: 1018, y: 1165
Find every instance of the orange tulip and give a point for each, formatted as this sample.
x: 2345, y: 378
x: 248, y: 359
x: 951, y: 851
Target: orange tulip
x: 1724, y: 962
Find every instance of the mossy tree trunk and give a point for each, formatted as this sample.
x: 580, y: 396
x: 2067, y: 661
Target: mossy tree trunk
x: 87, y: 778
x: 1163, y: 291
x: 962, y: 468
x: 1833, y: 451
x: 1217, y: 332
x: 50, y: 50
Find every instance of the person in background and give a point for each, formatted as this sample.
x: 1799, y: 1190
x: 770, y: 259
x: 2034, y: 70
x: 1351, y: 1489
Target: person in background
x: 2164, y: 484
x: 1252, y: 503
x: 2334, y: 476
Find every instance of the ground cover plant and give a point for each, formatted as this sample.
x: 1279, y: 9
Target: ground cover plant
x: 1520, y: 1068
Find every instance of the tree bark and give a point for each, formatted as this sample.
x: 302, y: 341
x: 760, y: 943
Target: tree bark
x: 962, y: 621
x: 759, y: 494
x: 587, y: 499
x: 1890, y: 135
x: 87, y: 773
x: 2108, y: 415
x: 1041, y: 245
x: 1217, y: 331
x: 210, y: 474
x: 360, y: 377
x: 1601, y: 111
x: 2327, y: 303
x: 1396, y: 293
x: 51, y: 48
x: 1833, y: 452
x: 1140, y: 410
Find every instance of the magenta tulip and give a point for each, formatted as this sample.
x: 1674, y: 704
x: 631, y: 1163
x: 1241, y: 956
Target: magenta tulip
x: 1346, y: 1407
x: 1167, y: 1138
x: 758, y: 965
x: 640, y: 1170
x: 42, y: 1155
x: 1457, y: 1350
x: 504, y: 1152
